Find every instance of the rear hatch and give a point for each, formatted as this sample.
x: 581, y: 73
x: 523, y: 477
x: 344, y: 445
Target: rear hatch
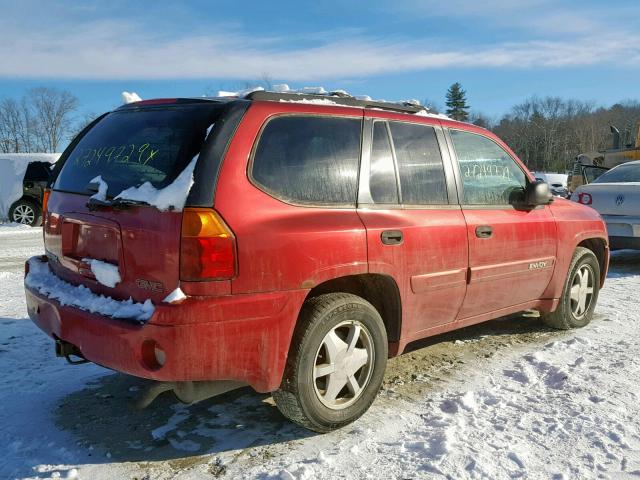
x: 148, y: 145
x: 613, y: 198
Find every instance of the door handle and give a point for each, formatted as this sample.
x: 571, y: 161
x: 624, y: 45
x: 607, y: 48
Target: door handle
x: 391, y: 237
x: 484, y: 231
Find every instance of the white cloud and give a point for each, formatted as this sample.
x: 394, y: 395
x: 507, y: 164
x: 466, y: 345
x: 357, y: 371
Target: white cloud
x: 127, y: 50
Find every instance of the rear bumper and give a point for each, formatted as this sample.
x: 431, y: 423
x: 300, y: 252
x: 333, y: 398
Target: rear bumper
x: 622, y: 225
x: 624, y: 231
x: 619, y: 243
x: 240, y: 337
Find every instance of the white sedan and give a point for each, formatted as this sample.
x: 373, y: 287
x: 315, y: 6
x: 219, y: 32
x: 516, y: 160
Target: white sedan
x: 616, y: 196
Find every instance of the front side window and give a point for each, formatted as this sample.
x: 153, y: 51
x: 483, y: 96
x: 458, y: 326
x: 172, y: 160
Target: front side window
x: 309, y: 159
x: 489, y: 175
x: 422, y: 179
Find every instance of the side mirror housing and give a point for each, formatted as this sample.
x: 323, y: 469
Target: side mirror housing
x: 537, y: 193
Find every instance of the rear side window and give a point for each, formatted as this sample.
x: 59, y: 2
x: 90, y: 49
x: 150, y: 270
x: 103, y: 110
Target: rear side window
x: 422, y: 179
x: 309, y: 159
x: 489, y: 175
x: 382, y: 179
x: 130, y: 147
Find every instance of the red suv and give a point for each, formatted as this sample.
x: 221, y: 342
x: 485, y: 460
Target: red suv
x: 294, y: 242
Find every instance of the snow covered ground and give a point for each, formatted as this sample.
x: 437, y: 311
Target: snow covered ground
x: 506, y: 399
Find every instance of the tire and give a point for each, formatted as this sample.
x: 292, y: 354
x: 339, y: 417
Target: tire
x: 27, y: 212
x: 324, y: 324
x: 571, y: 312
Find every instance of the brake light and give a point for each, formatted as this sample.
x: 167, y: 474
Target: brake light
x: 155, y: 101
x: 207, y: 247
x: 585, y: 198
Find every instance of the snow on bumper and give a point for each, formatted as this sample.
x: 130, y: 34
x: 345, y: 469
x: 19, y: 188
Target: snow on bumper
x: 236, y: 337
x: 43, y: 280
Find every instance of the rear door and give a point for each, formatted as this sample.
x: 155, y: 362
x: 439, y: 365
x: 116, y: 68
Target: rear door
x: 415, y: 229
x: 512, y: 250
x: 148, y: 146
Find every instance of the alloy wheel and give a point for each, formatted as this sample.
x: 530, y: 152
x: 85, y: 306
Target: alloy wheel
x: 343, y: 364
x: 24, y: 214
x: 581, y: 293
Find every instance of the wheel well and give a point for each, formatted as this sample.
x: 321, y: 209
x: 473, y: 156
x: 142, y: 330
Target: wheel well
x: 30, y: 198
x: 380, y: 291
x: 598, y: 247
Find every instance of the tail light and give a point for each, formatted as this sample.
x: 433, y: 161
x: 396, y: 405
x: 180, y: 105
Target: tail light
x: 207, y: 247
x: 585, y: 198
x: 45, y: 201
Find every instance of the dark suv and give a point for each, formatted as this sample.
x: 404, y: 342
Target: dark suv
x: 294, y: 242
x: 28, y: 209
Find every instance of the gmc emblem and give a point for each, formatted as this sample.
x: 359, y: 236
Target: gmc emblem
x: 149, y: 285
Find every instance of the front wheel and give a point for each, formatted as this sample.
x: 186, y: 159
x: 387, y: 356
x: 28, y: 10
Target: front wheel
x: 336, y: 363
x: 580, y: 293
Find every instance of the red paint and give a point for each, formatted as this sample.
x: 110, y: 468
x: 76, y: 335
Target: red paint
x: 240, y: 328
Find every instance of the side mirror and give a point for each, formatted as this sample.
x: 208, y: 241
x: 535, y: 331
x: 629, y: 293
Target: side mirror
x: 537, y: 193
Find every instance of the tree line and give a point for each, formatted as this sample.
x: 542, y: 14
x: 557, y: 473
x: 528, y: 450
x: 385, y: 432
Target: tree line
x: 547, y: 133
x: 42, y: 120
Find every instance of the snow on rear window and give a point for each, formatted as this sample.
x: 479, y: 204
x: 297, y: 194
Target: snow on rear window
x: 171, y: 197
x: 132, y: 147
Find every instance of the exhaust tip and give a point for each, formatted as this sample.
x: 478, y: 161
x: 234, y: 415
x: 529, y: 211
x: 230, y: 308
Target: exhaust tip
x: 153, y: 355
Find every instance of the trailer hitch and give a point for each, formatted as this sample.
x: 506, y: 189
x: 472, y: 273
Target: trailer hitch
x: 67, y: 350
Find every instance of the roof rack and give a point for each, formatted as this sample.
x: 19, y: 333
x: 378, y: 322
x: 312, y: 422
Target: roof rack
x: 338, y: 97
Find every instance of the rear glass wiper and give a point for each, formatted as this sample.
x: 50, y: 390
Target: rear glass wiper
x: 117, y: 203
x: 127, y: 202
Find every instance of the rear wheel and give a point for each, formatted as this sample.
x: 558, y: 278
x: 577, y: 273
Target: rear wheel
x: 26, y: 212
x: 580, y: 293
x: 336, y: 362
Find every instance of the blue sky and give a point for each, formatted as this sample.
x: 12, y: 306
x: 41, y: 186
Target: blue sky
x: 501, y: 51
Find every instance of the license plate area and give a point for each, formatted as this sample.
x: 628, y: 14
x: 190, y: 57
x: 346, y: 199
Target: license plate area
x: 85, y: 236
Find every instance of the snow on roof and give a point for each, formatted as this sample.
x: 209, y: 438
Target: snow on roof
x: 314, y: 101
x: 339, y: 93
x: 426, y: 113
x: 13, y: 166
x: 130, y: 97
x: 239, y: 93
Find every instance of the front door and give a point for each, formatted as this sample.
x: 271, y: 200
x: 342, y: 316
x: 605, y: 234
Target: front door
x: 512, y: 250
x: 415, y: 234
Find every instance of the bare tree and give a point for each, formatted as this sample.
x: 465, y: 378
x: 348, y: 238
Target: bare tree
x: 548, y: 133
x: 16, y: 127
x: 52, y: 112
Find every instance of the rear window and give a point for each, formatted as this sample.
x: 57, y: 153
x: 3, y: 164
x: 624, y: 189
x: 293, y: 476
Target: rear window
x: 623, y: 173
x: 38, y: 172
x: 309, y: 159
x: 130, y: 147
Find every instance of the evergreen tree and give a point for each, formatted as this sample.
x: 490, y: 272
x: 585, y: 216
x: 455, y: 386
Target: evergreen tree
x: 457, y: 107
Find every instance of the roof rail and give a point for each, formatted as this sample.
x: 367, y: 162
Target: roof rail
x: 339, y: 98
